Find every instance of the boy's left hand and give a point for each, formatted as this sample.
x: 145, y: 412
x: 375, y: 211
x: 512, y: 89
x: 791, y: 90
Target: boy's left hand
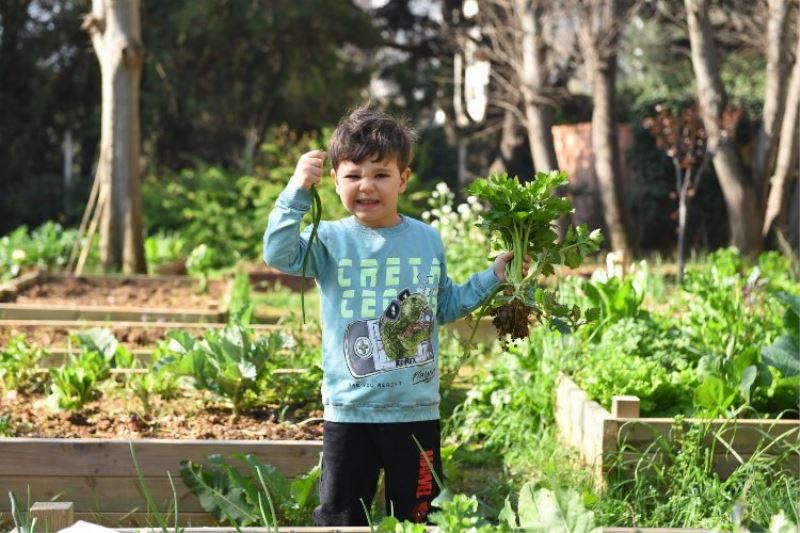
x: 503, y: 259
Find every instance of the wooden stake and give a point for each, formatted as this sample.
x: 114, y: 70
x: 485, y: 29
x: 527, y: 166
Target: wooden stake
x: 87, y: 246
x: 52, y: 516
x: 87, y: 213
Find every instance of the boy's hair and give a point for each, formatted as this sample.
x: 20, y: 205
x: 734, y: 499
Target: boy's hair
x: 366, y: 132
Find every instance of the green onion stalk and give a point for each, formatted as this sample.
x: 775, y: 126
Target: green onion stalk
x: 316, y: 217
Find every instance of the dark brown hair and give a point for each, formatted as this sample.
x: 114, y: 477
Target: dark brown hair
x: 366, y: 132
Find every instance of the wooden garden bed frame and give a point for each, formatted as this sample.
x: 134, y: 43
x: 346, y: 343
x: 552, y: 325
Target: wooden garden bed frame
x: 52, y: 516
x: 98, y: 475
x: 598, y: 435
x: 16, y: 311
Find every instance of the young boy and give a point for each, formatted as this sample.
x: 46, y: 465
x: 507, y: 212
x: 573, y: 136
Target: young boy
x: 384, y: 290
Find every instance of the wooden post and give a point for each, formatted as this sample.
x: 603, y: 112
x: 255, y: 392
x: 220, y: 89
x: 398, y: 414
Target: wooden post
x: 52, y: 516
x: 625, y: 407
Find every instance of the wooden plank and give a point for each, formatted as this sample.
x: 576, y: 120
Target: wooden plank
x: 121, y: 324
x: 562, y: 409
x: 625, y: 407
x: 10, y: 288
x: 132, y: 522
x: 576, y: 399
x: 102, y: 493
x: 744, y: 435
x: 111, y: 313
x: 723, y: 463
x: 110, y: 457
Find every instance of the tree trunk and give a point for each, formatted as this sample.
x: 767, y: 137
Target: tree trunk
x: 511, y: 157
x: 785, y: 166
x: 741, y: 194
x: 538, y: 113
x: 599, y: 37
x: 774, y: 92
x: 114, y: 26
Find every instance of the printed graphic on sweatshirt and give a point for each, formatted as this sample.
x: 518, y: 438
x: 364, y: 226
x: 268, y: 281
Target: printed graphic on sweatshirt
x: 401, y: 337
x: 369, y: 286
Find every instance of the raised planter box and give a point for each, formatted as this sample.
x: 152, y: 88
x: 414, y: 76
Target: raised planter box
x: 99, y: 477
x: 26, y: 298
x: 599, y: 435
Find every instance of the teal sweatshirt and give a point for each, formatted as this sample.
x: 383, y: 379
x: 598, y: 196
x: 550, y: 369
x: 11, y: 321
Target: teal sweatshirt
x: 383, y: 293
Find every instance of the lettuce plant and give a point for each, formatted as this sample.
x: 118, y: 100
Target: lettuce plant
x: 227, y: 362
x: 75, y: 383
x: 522, y: 218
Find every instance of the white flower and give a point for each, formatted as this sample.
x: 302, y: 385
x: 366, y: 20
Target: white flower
x: 463, y: 209
x: 472, y: 199
x: 426, y: 215
x: 442, y: 188
x: 435, y: 194
x: 18, y: 255
x: 446, y: 209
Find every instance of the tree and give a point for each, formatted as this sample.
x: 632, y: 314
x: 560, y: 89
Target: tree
x: 787, y: 154
x: 600, y: 24
x: 115, y: 30
x: 529, y: 59
x: 744, y: 188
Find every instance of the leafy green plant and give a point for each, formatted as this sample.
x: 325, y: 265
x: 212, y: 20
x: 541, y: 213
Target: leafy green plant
x: 164, y: 247
x: 241, y: 306
x: 615, y: 299
x: 201, y: 260
x: 782, y: 358
x: 19, y: 363
x: 522, y: 219
x: 227, y: 362
x: 45, y: 247
x: 104, y: 342
x: 74, y: 384
x: 242, y: 498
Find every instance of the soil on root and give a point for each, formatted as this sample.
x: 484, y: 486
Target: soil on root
x: 123, y: 292
x: 512, y: 319
x: 117, y: 417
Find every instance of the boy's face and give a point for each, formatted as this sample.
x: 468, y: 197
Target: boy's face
x: 370, y: 189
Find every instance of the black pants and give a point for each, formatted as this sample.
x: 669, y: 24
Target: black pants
x: 352, y: 456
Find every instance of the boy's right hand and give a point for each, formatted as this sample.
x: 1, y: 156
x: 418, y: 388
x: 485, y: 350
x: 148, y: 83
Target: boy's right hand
x: 308, y: 171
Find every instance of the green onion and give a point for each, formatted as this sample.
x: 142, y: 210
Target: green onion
x: 316, y: 216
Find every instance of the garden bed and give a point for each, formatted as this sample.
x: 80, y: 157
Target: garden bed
x: 600, y: 436
x: 139, y: 337
x: 98, y: 475
x: 42, y: 296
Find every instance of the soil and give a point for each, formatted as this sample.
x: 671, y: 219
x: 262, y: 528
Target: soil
x: 117, y: 417
x: 123, y: 292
